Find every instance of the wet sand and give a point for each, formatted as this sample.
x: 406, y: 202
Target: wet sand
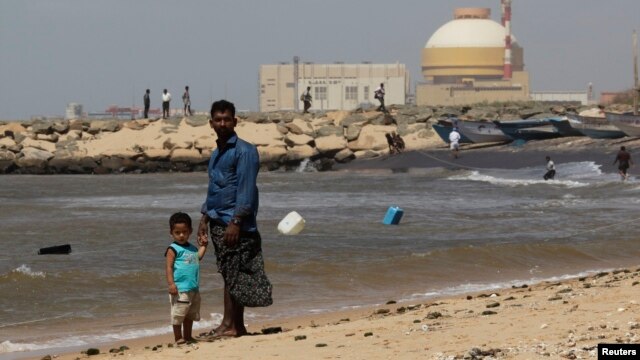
x: 564, y: 319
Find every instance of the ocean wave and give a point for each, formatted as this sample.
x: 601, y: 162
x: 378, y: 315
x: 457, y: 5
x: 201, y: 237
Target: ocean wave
x: 22, y: 271
x: 85, y: 340
x: 476, y: 176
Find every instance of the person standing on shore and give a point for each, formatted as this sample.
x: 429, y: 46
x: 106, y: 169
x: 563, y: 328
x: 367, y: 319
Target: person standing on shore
x: 624, y: 162
x: 147, y: 103
x: 166, y: 100
x: 551, y: 169
x: 454, y: 140
x: 379, y: 94
x: 229, y: 212
x: 186, y: 99
x: 306, y: 98
x: 183, y: 277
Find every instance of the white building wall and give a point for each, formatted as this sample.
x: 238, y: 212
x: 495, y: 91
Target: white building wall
x: 561, y: 96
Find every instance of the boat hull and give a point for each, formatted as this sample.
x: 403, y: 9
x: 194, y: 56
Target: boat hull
x: 564, y: 127
x: 444, y: 131
x: 482, y: 132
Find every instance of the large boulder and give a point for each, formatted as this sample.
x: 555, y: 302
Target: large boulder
x: 11, y: 128
x: 34, y: 157
x: 293, y: 139
x: 61, y: 127
x: 72, y: 135
x: 259, y: 134
x: 344, y: 155
x: 41, y: 127
x: 327, y: 144
x: 156, y: 154
x: 329, y: 130
x: 122, y: 153
x: 337, y: 117
x: 77, y: 124
x: 372, y: 137
x: 191, y: 156
x: 353, y: 131
x: 98, y: 126
x: 7, y: 161
x: 303, y: 126
x: 198, y: 120
x: 7, y: 142
x: 301, y: 152
x: 271, y: 153
x: 53, y: 137
x: 205, y: 143
x: 136, y: 124
x: 366, y: 154
x: 354, y: 119
x: 39, y: 144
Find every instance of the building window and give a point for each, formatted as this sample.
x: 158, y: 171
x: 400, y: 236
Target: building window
x: 366, y: 93
x: 351, y: 93
x: 320, y: 93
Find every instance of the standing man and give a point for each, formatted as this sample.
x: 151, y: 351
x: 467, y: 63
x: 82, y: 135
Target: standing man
x: 166, y: 100
x: 186, y: 99
x: 551, y: 169
x: 229, y: 212
x: 147, y: 103
x: 454, y: 140
x: 306, y: 98
x: 379, y: 94
x: 624, y: 162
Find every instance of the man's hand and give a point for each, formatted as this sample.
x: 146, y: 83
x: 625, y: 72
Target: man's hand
x: 231, y: 235
x: 203, y: 228
x: 173, y: 289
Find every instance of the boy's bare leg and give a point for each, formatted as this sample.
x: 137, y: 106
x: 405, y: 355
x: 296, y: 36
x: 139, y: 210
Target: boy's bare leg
x: 177, y: 332
x: 188, y: 327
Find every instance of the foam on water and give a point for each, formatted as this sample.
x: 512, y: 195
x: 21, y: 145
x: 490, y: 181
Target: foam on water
x: 25, y: 270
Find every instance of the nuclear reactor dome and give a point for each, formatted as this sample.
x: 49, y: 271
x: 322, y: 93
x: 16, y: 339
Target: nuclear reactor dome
x: 471, y: 45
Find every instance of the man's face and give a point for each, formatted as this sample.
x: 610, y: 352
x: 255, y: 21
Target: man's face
x: 223, y: 124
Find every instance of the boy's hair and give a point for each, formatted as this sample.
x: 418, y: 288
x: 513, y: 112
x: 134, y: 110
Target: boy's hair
x: 222, y: 106
x: 180, y: 218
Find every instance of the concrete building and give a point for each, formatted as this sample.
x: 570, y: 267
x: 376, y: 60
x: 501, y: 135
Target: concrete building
x: 473, y: 59
x: 577, y: 97
x: 335, y: 86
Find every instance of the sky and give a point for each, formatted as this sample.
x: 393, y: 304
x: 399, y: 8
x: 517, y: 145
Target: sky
x: 106, y: 52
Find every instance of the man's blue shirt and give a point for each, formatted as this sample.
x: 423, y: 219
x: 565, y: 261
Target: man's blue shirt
x: 233, y: 172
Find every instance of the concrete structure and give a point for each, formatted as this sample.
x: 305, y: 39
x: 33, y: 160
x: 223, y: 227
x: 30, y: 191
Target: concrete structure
x: 464, y: 62
x: 579, y: 97
x: 73, y: 111
x: 335, y: 86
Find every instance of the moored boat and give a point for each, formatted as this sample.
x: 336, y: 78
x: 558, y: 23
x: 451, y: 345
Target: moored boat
x: 443, y: 130
x: 629, y: 128
x: 596, y: 127
x: 482, y: 131
x: 564, y: 126
x: 529, y: 129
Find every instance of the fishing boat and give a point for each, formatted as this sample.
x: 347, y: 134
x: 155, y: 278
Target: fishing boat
x: 482, y: 131
x: 443, y: 129
x: 565, y: 127
x: 596, y: 127
x: 529, y: 129
x: 628, y: 128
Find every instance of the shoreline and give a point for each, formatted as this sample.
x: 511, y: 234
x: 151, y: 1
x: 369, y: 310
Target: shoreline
x: 554, y: 316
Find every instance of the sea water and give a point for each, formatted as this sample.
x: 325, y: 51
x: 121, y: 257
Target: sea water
x: 461, y: 231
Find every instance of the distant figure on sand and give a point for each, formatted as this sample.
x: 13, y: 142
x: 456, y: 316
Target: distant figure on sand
x: 624, y: 162
x: 186, y: 99
x: 306, y: 98
x: 454, y: 140
x: 183, y: 277
x: 229, y: 212
x: 147, y: 103
x: 551, y: 169
x: 379, y: 94
x: 166, y: 100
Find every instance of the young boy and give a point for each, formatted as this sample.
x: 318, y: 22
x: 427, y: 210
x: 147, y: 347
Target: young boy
x: 183, y: 277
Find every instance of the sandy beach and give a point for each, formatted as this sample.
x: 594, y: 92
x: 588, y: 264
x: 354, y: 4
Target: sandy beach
x: 564, y: 319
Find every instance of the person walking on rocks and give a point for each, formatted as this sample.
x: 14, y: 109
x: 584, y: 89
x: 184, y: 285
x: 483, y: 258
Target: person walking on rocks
x: 147, y: 103
x: 379, y: 94
x: 166, y: 100
x: 186, y: 99
x: 551, y: 169
x: 454, y: 140
x: 624, y: 162
x: 306, y: 98
x: 229, y: 214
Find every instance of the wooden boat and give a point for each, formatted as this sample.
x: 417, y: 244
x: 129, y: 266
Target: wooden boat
x: 529, y: 129
x: 482, y: 131
x: 564, y: 127
x: 443, y: 129
x: 596, y: 127
x: 55, y: 250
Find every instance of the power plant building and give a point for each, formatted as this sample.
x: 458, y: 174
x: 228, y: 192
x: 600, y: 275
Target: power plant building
x: 335, y: 86
x: 473, y: 59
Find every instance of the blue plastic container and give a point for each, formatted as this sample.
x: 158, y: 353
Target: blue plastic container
x: 393, y: 216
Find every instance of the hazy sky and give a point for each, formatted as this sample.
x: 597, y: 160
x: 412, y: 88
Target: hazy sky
x: 103, y: 52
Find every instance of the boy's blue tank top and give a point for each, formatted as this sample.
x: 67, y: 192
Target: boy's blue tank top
x: 186, y: 267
